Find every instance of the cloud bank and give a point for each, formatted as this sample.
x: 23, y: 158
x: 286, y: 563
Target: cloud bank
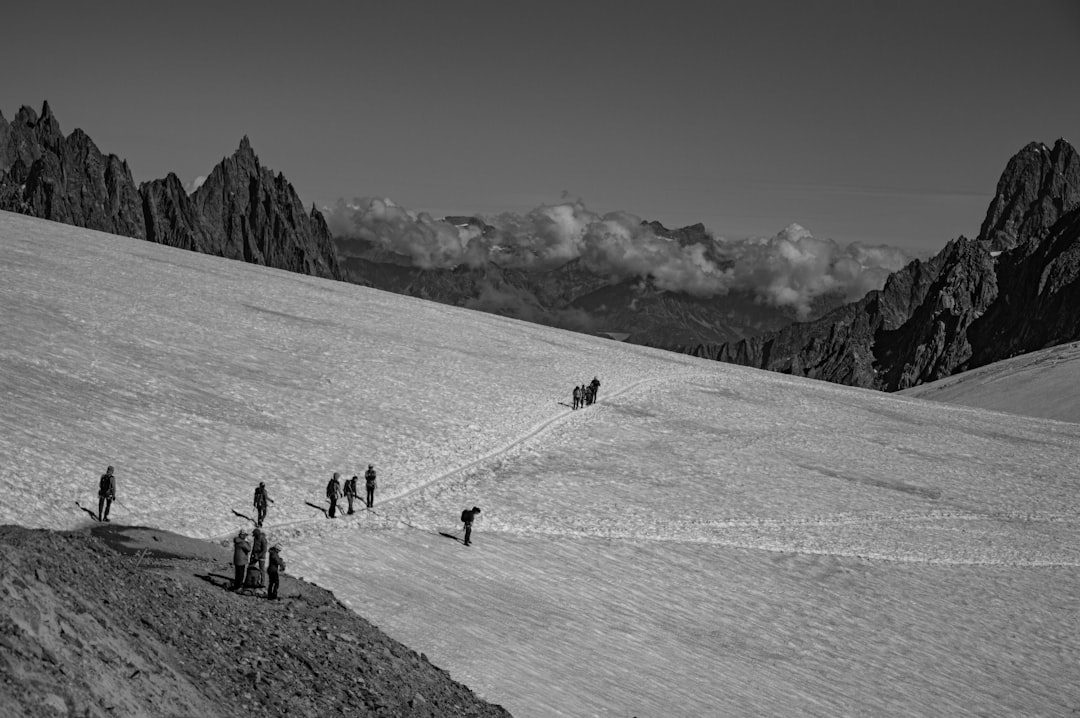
x: 791, y: 269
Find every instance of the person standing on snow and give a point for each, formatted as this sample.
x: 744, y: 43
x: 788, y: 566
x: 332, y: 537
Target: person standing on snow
x: 350, y: 491
x: 577, y: 396
x: 261, y: 503
x: 277, y: 566
x: 369, y: 484
x: 241, y: 552
x: 333, y: 492
x: 106, y: 494
x: 467, y: 517
x: 595, y: 386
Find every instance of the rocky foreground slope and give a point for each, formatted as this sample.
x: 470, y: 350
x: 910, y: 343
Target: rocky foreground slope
x: 138, y: 622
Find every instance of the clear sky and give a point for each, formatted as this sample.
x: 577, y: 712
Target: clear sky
x: 882, y: 122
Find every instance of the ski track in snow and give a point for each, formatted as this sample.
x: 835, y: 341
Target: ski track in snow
x: 705, y: 540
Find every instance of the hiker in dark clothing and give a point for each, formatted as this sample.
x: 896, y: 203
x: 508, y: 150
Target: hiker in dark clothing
x: 369, y: 484
x: 595, y: 385
x: 261, y: 503
x: 577, y: 396
x: 106, y: 494
x: 277, y: 566
x: 258, y: 548
x: 333, y: 492
x: 350, y: 492
x: 241, y: 552
x: 584, y: 396
x: 467, y: 517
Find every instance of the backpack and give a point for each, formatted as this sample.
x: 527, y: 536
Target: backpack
x: 466, y: 516
x: 369, y: 477
x: 103, y: 488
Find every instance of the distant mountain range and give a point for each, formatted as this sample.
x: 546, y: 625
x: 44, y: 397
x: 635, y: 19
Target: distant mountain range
x: 1011, y: 290
x: 572, y: 296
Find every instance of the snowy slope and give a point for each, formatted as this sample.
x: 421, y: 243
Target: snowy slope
x: 1045, y: 384
x: 706, y: 540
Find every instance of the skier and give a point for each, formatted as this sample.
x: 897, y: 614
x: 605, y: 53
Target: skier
x: 350, y: 491
x: 369, y: 484
x: 595, y: 384
x: 577, y: 396
x: 277, y: 565
x: 106, y: 494
x: 241, y: 551
x: 467, y: 517
x: 262, y: 499
x: 333, y: 492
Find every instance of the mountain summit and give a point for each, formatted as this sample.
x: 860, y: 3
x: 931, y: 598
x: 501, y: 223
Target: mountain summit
x: 242, y: 211
x: 1014, y: 289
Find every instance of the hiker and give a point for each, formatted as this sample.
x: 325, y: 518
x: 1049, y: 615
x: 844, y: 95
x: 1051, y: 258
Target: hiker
x: 584, y: 396
x: 258, y: 549
x: 277, y: 565
x: 262, y: 500
x: 467, y: 517
x: 350, y: 491
x: 595, y: 385
x: 241, y: 551
x: 577, y: 396
x: 369, y: 484
x: 106, y: 493
x: 333, y: 492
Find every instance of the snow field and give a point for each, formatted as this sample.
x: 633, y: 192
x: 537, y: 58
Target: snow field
x: 706, y: 540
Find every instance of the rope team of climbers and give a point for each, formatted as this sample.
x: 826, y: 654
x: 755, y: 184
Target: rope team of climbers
x: 257, y: 564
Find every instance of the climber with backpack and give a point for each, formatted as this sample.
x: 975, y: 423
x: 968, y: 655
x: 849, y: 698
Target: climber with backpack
x: 467, y: 517
x: 261, y: 503
x: 333, y: 492
x: 106, y: 494
x: 369, y: 484
x: 277, y: 566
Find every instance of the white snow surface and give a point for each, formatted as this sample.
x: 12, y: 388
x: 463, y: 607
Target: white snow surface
x: 1044, y: 383
x: 707, y: 540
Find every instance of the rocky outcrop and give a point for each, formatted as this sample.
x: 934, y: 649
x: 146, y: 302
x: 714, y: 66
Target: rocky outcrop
x: 971, y: 304
x: 1037, y: 189
x: 149, y: 629
x: 243, y: 210
x: 67, y: 179
x: 254, y: 215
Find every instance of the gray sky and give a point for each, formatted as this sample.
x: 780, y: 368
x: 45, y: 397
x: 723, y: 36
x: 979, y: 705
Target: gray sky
x: 882, y: 122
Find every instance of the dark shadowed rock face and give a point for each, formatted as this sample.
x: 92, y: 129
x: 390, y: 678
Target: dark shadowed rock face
x: 255, y: 215
x: 1038, y: 187
x: 67, y: 179
x: 243, y: 211
x: 1012, y: 290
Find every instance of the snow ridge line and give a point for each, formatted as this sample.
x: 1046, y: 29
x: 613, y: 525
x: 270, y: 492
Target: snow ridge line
x: 533, y: 431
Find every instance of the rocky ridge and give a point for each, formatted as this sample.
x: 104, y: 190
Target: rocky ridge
x: 1011, y: 290
x: 243, y: 210
x: 124, y: 621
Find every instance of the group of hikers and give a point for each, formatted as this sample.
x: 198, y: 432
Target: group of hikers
x: 250, y: 563
x: 585, y: 394
x: 255, y: 561
x: 335, y: 491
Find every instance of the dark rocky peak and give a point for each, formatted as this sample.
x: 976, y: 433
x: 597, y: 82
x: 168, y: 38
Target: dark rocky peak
x: 685, y: 236
x: 1038, y: 187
